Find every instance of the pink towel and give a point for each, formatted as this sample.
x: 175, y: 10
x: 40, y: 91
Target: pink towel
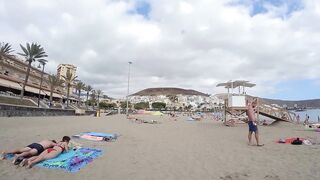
x: 93, y: 138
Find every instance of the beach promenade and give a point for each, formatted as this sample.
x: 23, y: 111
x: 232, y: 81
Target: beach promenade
x: 171, y: 150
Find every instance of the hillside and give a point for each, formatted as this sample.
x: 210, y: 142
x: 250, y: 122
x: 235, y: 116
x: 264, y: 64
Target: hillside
x: 167, y: 91
x: 315, y: 103
x: 311, y: 103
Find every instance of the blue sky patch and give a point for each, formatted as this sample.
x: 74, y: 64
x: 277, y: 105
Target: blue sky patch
x: 297, y: 90
x: 261, y: 6
x: 143, y: 8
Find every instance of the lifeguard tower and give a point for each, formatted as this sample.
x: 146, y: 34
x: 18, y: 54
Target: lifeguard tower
x: 235, y: 105
x: 235, y: 102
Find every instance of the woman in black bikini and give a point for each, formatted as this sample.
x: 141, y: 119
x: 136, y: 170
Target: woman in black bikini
x: 49, y: 153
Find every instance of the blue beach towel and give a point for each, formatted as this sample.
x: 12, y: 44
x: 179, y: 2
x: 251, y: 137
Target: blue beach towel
x: 71, y: 161
x: 98, y: 136
x: 107, y: 135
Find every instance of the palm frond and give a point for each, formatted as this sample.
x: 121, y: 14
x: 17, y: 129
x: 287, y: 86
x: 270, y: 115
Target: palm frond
x: 24, y: 50
x: 28, y: 48
x: 5, y: 49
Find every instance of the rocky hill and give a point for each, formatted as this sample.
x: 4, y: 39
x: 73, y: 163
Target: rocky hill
x: 314, y: 103
x: 167, y: 91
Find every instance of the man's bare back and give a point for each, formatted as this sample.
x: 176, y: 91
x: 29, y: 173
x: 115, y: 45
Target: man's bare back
x: 251, y: 112
x: 47, y: 144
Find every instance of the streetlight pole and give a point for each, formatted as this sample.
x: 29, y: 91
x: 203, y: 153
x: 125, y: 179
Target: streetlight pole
x: 127, y: 110
x: 43, y: 63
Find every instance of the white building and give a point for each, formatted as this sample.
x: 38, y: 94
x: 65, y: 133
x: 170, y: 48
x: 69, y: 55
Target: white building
x: 180, y: 101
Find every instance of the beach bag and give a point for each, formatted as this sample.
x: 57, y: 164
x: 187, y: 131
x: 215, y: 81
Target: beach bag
x: 296, y: 142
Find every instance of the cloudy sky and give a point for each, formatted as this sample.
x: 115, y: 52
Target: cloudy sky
x: 191, y: 44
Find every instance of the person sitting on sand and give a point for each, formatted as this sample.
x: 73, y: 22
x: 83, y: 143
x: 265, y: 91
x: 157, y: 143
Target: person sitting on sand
x: 252, y: 123
x: 30, y: 150
x: 49, y: 153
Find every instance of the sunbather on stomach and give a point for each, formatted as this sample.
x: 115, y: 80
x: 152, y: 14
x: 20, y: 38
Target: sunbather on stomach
x: 49, y: 153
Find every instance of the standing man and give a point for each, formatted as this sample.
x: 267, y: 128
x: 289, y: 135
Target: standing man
x: 252, y: 123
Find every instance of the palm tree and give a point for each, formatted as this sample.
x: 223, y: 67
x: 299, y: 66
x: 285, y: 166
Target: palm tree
x: 80, y: 86
x: 99, y: 93
x: 93, y: 98
x: 5, y: 50
x: 88, y: 88
x: 31, y: 53
x: 68, y: 81
x: 54, y: 81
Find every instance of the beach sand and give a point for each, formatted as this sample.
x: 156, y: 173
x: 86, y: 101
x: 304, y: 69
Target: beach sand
x: 171, y: 150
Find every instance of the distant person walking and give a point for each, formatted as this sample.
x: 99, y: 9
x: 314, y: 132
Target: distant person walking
x: 252, y: 123
x: 318, y: 119
x: 306, y: 121
x: 298, y: 119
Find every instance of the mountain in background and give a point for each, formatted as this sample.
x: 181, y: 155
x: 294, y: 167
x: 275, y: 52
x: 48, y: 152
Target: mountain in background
x: 314, y: 103
x: 168, y: 92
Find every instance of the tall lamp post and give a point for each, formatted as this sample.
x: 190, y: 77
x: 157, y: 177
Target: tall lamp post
x: 43, y: 63
x: 127, y: 110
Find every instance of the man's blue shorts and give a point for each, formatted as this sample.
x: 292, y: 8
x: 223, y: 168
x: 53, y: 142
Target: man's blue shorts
x: 252, y: 126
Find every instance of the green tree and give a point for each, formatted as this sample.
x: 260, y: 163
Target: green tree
x: 99, y: 94
x: 5, y: 50
x: 68, y: 81
x: 88, y: 88
x: 31, y: 53
x: 123, y: 104
x: 54, y: 82
x: 158, y: 105
x: 105, y: 105
x: 79, y: 87
x: 141, y: 105
x: 93, y: 98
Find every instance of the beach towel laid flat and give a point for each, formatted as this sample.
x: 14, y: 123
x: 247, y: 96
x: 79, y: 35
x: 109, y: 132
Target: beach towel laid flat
x: 71, y: 161
x: 101, y: 134
x: 95, y: 136
x: 288, y: 140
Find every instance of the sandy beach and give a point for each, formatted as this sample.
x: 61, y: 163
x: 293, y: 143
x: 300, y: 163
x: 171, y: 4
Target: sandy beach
x: 170, y: 150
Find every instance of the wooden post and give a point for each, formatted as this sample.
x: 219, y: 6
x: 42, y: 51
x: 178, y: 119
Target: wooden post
x: 225, y: 111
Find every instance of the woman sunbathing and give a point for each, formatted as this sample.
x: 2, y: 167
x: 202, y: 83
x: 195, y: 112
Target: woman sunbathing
x: 49, y: 153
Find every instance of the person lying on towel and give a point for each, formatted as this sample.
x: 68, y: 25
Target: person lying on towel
x: 33, y: 149
x: 49, y: 153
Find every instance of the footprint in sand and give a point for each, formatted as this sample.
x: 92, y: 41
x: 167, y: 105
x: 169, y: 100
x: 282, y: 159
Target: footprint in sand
x: 272, y: 177
x: 235, y: 176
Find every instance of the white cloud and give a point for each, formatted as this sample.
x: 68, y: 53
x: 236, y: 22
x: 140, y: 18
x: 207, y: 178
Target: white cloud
x: 189, y: 44
x: 185, y: 8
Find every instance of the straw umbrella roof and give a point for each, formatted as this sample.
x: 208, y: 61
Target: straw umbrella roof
x: 235, y: 84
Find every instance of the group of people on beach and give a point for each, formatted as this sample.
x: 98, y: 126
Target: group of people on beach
x: 306, y: 120
x: 37, y: 152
